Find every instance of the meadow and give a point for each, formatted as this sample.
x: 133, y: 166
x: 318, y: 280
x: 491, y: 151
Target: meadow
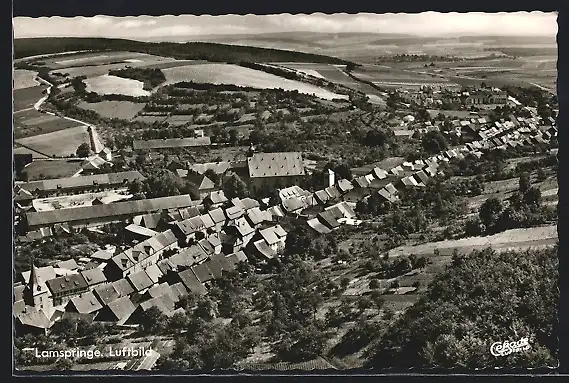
x: 108, y: 84
x: 61, y: 143
x: 47, y: 169
x: 25, y: 98
x: 30, y: 123
x: 24, y: 78
x: 240, y: 76
x: 102, y: 58
x: 124, y: 110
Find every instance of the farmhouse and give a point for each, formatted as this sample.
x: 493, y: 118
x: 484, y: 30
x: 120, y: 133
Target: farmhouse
x: 92, y: 216
x: 45, y: 188
x: 171, y: 143
x: 268, y: 171
x: 200, y: 184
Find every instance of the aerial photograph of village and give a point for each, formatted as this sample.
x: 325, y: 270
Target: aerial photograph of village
x: 268, y: 193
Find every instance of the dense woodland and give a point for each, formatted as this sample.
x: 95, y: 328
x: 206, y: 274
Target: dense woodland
x: 188, y: 51
x: 150, y: 77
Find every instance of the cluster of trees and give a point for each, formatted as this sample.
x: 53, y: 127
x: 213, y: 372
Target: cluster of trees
x: 160, y: 183
x: 168, y: 132
x: 151, y: 77
x: 523, y: 210
x: 483, y: 297
x: 289, y: 74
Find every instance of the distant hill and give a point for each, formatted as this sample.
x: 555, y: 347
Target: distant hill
x: 188, y: 51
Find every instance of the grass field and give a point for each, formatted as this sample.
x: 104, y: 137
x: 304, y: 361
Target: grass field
x: 35, y: 155
x: 179, y: 119
x: 47, y: 169
x: 124, y: 110
x: 24, y: 79
x: 515, y: 238
x: 31, y: 123
x: 26, y: 97
x: 60, y: 143
x: 102, y: 58
x: 108, y: 84
x: 240, y: 76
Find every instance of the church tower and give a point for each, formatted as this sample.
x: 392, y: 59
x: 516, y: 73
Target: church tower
x: 36, y: 293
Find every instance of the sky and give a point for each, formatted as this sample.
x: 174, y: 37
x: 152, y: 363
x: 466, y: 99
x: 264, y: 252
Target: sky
x: 175, y: 27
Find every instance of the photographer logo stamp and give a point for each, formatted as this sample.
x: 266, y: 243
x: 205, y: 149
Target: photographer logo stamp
x: 506, y: 348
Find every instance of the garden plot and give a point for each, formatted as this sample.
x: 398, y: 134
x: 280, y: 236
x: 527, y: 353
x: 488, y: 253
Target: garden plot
x: 71, y: 201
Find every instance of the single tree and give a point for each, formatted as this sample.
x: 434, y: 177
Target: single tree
x: 83, y: 150
x: 234, y: 186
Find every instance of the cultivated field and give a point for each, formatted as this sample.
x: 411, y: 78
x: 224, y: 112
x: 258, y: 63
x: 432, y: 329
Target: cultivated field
x: 25, y: 98
x: 124, y: 110
x: 71, y: 201
x: 31, y: 123
x: 108, y: 84
x: 39, y: 170
x: 509, y: 239
x: 61, y: 143
x: 22, y: 150
x: 331, y: 73
x: 102, y: 58
x: 24, y: 79
x: 240, y: 76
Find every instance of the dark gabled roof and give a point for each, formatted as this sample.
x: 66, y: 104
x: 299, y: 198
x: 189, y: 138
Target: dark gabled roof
x: 207, y: 247
x: 264, y: 249
x: 341, y: 210
x: 178, y: 290
x: 318, y: 226
x: 140, y: 280
x: 333, y: 192
x: 116, y: 209
x: 123, y: 287
x: 234, y: 212
x: 217, y: 197
x: 391, y: 189
x: 191, y: 282
x: 237, y: 257
x: 421, y: 176
x: 85, y: 303
x: 242, y: 227
x: 293, y: 204
x: 166, y: 265
x: 69, y: 264
x: 154, y: 273
x: 215, y: 268
x: 327, y: 218
x: 181, y: 259
x: 122, y: 308
x: 165, y: 303
x: 379, y: 173
x: 361, y: 182
x: 106, y: 293
x: 202, y: 272
x: 34, y: 318
x: 82, y: 181
x: 344, y: 185
x: 66, y: 283
x: 223, y: 261
x: 207, y: 221
x: 94, y: 276
x: 159, y: 290
x: 275, y: 165
x: 197, y: 253
x: 322, y: 196
x: 217, y: 215
x: 335, y: 212
x: 249, y: 203
x: 189, y: 212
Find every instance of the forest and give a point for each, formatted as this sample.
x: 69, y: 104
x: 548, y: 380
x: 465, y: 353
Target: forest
x: 188, y: 51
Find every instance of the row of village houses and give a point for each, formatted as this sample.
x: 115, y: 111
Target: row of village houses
x: 217, y: 239
x: 480, y: 96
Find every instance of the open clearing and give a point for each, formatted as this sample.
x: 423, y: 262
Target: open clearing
x: 515, y: 238
x: 31, y: 123
x: 108, y: 84
x: 22, y: 150
x: 102, y: 58
x: 78, y: 200
x: 24, y: 79
x: 26, y: 97
x: 62, y: 143
x: 240, y: 76
x: 39, y: 170
x: 124, y: 110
